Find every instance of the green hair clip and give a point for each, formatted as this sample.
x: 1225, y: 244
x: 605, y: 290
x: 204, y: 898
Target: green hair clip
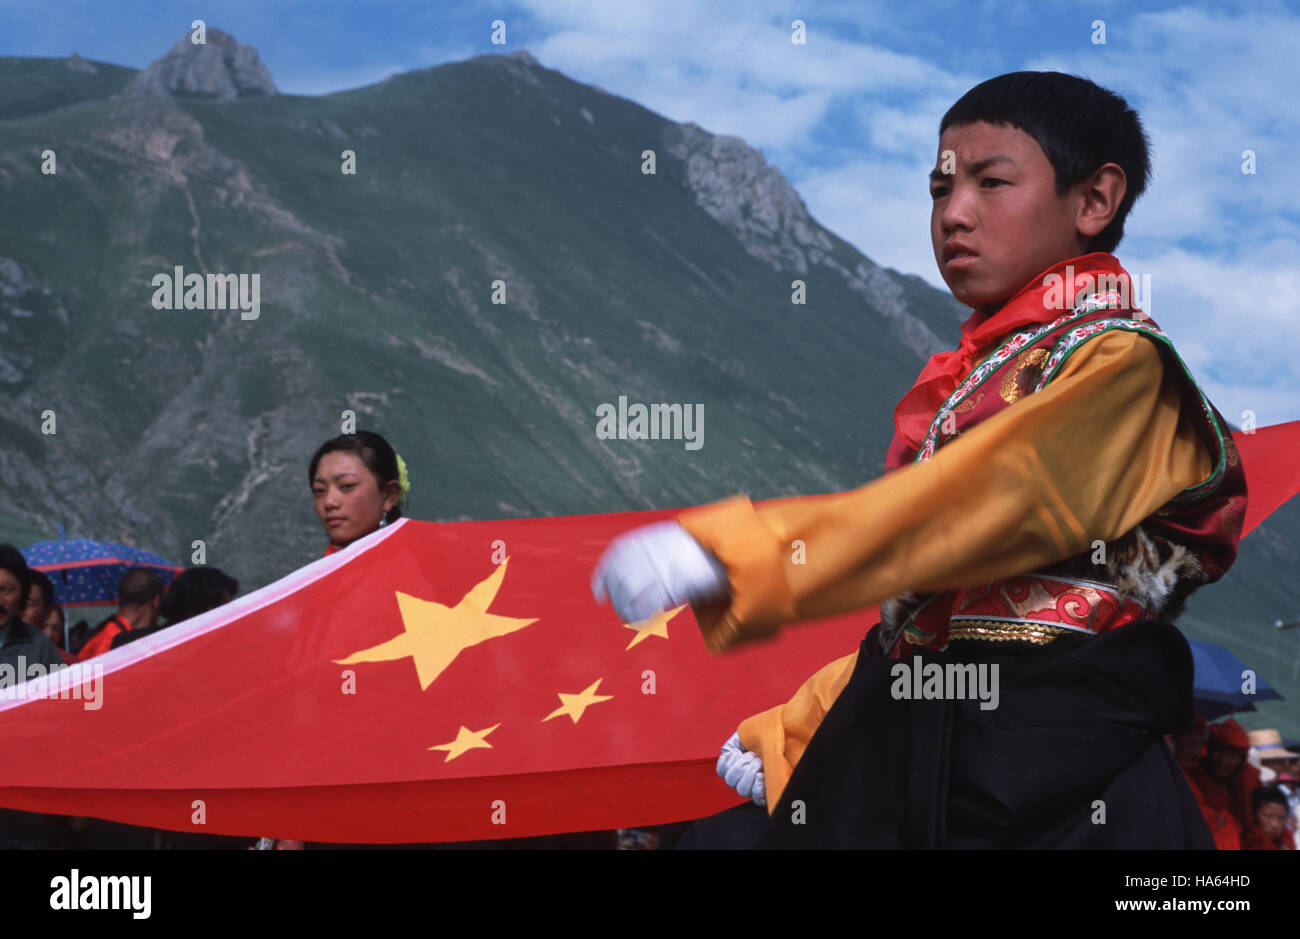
x: 403, y: 481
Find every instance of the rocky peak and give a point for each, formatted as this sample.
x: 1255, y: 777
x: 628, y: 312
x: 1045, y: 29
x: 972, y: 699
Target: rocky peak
x: 520, y: 64
x: 734, y: 184
x: 219, y: 68
x: 75, y: 63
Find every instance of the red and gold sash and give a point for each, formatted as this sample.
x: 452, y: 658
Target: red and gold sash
x: 1017, y: 351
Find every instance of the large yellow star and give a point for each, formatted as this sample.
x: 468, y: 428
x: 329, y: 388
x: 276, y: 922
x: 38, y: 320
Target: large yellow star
x: 435, y: 634
x: 576, y: 704
x: 656, y: 625
x: 466, y: 739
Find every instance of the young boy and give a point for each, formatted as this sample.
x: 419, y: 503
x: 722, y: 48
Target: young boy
x: 1270, y: 807
x: 1055, y: 489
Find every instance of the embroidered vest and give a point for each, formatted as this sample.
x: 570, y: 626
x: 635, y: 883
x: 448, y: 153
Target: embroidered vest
x: 1147, y: 573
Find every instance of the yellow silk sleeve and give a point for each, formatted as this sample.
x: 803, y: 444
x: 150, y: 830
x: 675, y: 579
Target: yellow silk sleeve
x: 779, y: 735
x: 1100, y: 448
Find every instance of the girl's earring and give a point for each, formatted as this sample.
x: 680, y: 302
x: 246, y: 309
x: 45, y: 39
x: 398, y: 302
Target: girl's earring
x: 382, y: 521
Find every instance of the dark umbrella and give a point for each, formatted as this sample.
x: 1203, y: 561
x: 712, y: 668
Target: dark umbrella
x: 1218, y: 679
x: 86, y: 573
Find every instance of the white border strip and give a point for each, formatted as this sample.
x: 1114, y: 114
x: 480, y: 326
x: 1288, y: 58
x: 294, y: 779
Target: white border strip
x: 126, y: 656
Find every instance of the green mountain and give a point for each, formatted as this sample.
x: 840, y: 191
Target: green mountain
x: 376, y: 296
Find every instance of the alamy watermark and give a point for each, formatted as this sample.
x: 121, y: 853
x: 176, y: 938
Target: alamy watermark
x: 951, y: 681
x: 81, y: 681
x: 1063, y: 292
x: 181, y: 291
x: 651, y: 422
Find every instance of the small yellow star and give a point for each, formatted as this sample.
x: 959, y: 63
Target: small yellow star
x: 656, y: 625
x: 466, y: 739
x: 576, y: 704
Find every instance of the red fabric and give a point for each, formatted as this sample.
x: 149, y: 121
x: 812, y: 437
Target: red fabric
x: 243, y: 708
x: 1271, y: 458
x: 1230, y: 734
x: 102, y: 641
x: 1035, y: 303
x: 1256, y: 840
x: 1226, y: 809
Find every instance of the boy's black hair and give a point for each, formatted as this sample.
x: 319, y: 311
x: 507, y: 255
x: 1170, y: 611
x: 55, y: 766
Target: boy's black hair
x: 139, y: 587
x: 1265, y: 794
x: 196, y: 590
x: 1079, y: 125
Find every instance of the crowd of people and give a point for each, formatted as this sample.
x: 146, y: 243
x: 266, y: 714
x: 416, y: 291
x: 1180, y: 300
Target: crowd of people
x: 32, y: 633
x: 1246, y: 784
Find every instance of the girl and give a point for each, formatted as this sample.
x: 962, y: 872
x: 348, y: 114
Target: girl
x: 358, y: 483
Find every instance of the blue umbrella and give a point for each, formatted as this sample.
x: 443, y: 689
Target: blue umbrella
x: 86, y: 573
x: 1218, y: 679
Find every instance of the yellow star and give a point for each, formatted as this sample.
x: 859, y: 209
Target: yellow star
x: 575, y: 704
x: 656, y: 625
x: 466, y: 739
x: 435, y: 634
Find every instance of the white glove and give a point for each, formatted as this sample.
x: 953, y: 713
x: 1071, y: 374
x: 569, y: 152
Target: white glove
x: 742, y: 770
x: 657, y: 567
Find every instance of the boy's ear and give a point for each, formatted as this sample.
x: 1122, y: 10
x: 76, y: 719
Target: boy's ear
x: 1102, y: 193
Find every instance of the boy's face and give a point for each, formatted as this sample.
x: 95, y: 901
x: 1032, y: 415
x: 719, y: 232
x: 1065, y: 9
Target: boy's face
x: 997, y: 221
x: 1271, y: 817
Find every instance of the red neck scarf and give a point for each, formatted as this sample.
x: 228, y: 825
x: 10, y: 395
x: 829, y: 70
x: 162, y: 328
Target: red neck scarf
x: 1035, y: 304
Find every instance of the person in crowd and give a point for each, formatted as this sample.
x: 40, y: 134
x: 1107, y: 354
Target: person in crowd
x: 1267, y: 743
x: 195, y: 590
x: 24, y: 651
x: 139, y: 594
x: 1269, y: 833
x: 44, y: 615
x: 1223, y: 783
x: 21, y: 646
x: 358, y: 483
x: 1283, y: 760
x: 1188, y: 746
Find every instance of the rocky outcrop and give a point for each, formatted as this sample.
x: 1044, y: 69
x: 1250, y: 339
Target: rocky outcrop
x: 734, y: 184
x: 75, y: 63
x: 219, y: 68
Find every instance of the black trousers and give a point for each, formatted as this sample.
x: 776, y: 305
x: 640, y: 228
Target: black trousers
x: 1071, y: 756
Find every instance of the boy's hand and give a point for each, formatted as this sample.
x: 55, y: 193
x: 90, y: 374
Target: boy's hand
x: 742, y: 770
x: 657, y: 567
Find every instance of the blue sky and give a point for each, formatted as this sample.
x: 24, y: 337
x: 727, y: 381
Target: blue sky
x: 851, y: 117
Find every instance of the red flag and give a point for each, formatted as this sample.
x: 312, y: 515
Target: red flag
x: 1271, y: 457
x: 431, y: 682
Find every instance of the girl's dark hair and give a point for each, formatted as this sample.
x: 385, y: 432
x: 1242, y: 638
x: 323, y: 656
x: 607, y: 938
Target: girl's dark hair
x: 46, y: 587
x: 374, y: 451
x: 1079, y: 125
x: 195, y: 590
x: 12, y: 560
